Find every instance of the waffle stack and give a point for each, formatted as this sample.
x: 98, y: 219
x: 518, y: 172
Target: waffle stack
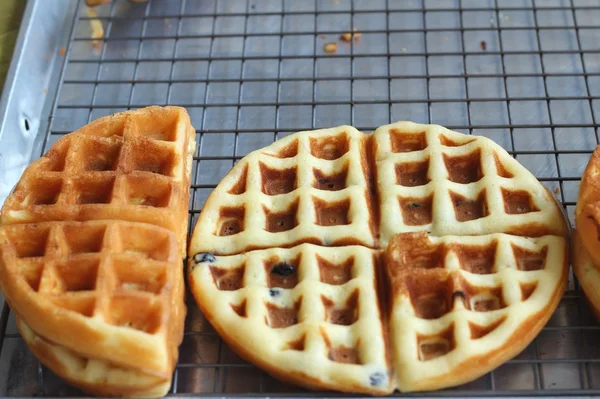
x: 91, y: 242
x: 586, y: 250
x: 415, y: 258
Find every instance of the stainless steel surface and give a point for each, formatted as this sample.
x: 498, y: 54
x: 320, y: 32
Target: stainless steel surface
x: 250, y: 71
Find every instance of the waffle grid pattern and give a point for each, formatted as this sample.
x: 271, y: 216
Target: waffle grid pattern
x: 324, y: 311
x: 458, y: 295
x: 451, y: 184
x: 312, y: 187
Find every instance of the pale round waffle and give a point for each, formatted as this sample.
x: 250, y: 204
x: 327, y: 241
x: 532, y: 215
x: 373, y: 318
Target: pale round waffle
x: 91, y: 244
x: 492, y: 271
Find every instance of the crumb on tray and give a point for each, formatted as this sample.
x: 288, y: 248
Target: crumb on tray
x: 97, y: 30
x: 348, y: 36
x: 483, y: 45
x: 62, y: 51
x: 330, y: 47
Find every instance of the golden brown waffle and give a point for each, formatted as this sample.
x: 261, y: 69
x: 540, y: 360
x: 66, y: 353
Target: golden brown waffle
x: 587, y: 212
x: 480, y: 286
x: 587, y: 272
x: 586, y: 243
x: 91, y: 243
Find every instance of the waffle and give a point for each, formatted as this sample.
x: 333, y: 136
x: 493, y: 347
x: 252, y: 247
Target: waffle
x: 311, y: 187
x: 414, y: 258
x: 586, y: 251
x: 91, y: 242
x: 587, y: 273
x: 447, y: 183
x: 587, y: 212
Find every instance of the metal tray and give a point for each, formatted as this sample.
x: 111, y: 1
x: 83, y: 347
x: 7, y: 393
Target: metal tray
x: 525, y: 73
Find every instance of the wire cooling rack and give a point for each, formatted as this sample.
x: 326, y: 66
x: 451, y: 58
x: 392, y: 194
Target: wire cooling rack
x: 525, y: 73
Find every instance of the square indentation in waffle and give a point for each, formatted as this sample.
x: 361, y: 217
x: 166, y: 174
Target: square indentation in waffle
x: 228, y: 279
x: 231, y: 221
x: 277, y: 181
x: 517, y: 202
x: 161, y: 126
x: 28, y: 241
x: 479, y: 299
x: 145, y: 241
x: 477, y: 331
x: 335, y: 274
x: 331, y: 214
x: 239, y: 308
x: 132, y: 276
x: 240, y: 185
x: 31, y: 270
x: 501, y: 169
x: 344, y: 314
x: 282, y: 273
x: 54, y: 160
x: 341, y: 353
x: 72, y: 276
x: 281, y: 221
x: 82, y: 302
x: 281, y: 317
x: 464, y: 169
x: 416, y: 211
x: 529, y: 260
x: 141, y: 312
x: 84, y: 238
x: 407, y: 142
x: 95, y: 154
x: 455, y: 142
x: 330, y: 147
x: 430, y: 295
x: 93, y: 189
x: 44, y: 190
x: 477, y: 259
x: 146, y: 190
x: 412, y: 174
x: 433, y: 346
x: 469, y: 209
x: 289, y: 151
x: 333, y: 182
x: 151, y: 156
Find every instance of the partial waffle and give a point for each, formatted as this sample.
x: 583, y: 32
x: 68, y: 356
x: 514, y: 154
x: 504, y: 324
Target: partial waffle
x: 415, y: 258
x: 587, y: 212
x: 311, y: 187
x: 432, y: 179
x: 90, y: 248
x: 587, y: 272
x: 463, y: 305
x: 586, y: 241
x: 308, y: 314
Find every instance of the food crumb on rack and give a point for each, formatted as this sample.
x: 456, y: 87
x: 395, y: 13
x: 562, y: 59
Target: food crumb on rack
x: 330, y: 47
x: 556, y: 190
x: 348, y: 36
x: 62, y: 51
x: 96, y: 28
x: 483, y: 45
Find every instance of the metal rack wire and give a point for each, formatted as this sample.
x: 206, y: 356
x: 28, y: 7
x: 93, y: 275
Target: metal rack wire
x: 523, y: 72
